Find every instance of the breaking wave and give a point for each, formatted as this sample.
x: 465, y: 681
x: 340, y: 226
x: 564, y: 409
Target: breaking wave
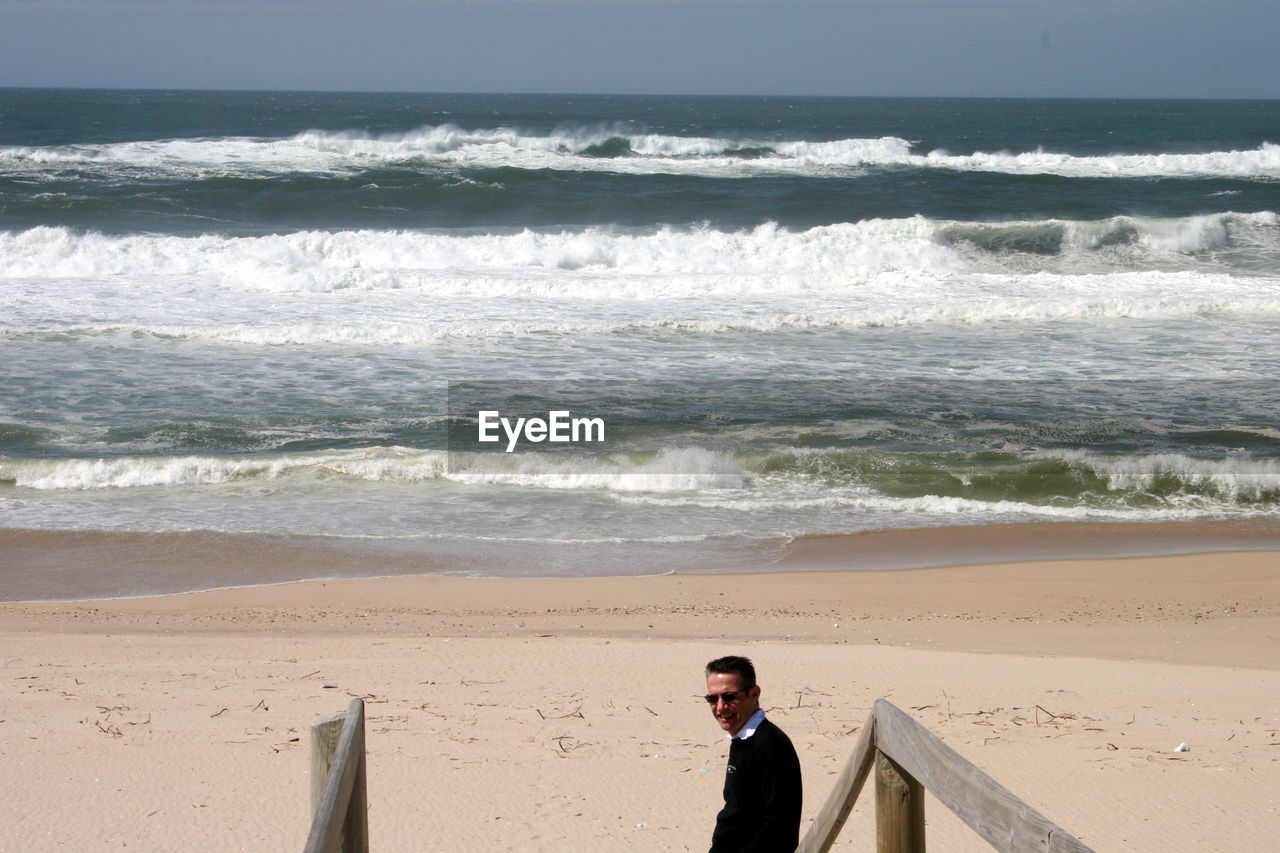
x: 1056, y: 482
x: 610, y: 149
x: 651, y: 263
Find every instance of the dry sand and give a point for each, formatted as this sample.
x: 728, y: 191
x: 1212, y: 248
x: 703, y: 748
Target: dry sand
x: 563, y: 714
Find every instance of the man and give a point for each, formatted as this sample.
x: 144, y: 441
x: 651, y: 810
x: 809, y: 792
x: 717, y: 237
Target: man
x: 762, y: 792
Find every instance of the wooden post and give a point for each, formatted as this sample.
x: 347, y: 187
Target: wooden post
x: 899, y: 809
x: 340, y: 820
x: 324, y: 740
x: 355, y: 832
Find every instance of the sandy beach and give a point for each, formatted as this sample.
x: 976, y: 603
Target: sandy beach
x: 510, y: 714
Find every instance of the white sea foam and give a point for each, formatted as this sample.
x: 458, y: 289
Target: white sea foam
x: 1001, y: 311
x: 161, y: 471
x: 614, y: 264
x: 1234, y: 478
x: 651, y: 264
x: 672, y: 470
x: 863, y: 506
x: 134, y: 472
x: 677, y: 469
x: 571, y: 149
x: 1263, y: 161
x: 411, y: 288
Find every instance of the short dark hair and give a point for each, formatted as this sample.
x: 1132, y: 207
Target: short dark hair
x: 735, y: 665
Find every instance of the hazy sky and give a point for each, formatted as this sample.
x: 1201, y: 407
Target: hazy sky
x: 1084, y: 48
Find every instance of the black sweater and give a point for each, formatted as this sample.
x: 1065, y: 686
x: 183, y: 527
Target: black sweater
x: 762, y: 794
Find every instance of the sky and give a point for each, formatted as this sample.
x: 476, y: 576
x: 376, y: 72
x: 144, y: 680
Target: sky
x: 967, y: 48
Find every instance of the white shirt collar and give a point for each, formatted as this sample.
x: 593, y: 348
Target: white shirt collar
x: 749, y: 727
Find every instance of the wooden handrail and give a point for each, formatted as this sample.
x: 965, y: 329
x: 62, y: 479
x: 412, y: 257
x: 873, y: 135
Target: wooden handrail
x: 339, y: 821
x: 907, y: 757
x: 829, y: 822
x: 917, y: 755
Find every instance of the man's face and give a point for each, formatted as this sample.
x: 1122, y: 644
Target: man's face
x: 732, y: 716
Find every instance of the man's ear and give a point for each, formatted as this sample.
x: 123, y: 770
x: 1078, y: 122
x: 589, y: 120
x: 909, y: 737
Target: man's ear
x: 754, y: 692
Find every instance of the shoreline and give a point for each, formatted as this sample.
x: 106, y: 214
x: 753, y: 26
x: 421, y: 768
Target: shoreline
x: 1197, y: 608
x: 96, y: 565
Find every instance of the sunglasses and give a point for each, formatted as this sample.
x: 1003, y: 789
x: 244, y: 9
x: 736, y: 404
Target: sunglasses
x: 727, y: 697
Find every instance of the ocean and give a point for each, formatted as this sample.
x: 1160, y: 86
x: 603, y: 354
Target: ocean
x: 283, y: 314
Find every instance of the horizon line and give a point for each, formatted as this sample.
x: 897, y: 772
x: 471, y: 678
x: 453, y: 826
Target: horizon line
x: 589, y: 94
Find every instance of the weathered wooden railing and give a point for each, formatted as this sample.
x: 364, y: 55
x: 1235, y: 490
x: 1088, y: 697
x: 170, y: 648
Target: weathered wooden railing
x: 339, y: 808
x: 908, y: 758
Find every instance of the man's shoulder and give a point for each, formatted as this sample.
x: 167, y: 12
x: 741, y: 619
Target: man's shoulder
x: 768, y: 725
x: 772, y: 732
x: 777, y: 752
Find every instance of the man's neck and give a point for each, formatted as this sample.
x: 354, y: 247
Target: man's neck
x: 749, y: 727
